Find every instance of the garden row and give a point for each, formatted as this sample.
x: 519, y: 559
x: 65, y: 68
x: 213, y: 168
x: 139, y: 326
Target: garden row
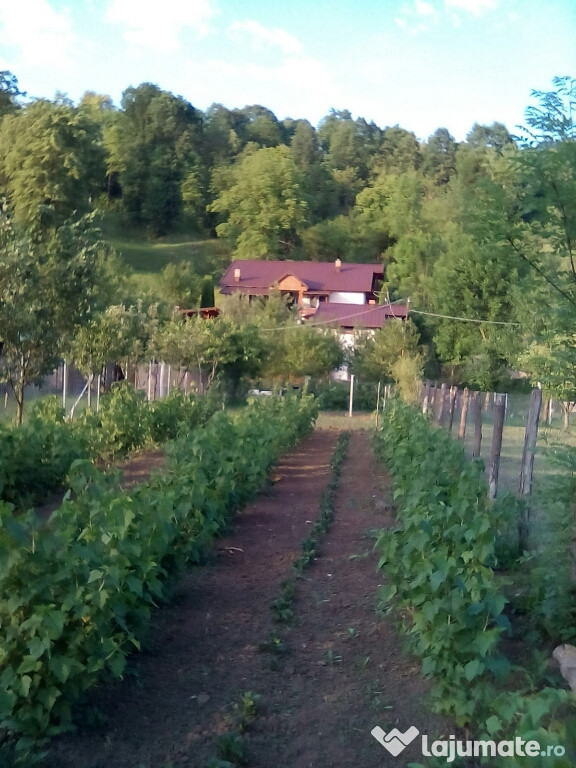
x: 36, y: 456
x: 76, y: 596
x: 440, y: 562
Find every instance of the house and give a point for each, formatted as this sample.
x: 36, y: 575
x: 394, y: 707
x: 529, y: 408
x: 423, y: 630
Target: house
x: 326, y: 293
x: 310, y: 283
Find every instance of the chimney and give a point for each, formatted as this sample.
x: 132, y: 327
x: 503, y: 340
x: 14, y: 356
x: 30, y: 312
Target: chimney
x: 337, y: 265
x: 237, y: 275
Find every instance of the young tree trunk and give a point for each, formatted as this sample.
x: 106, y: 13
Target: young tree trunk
x: 566, y: 408
x: 18, y: 389
x: 19, y: 395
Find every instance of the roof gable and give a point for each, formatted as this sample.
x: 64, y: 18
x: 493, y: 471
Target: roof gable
x: 290, y: 282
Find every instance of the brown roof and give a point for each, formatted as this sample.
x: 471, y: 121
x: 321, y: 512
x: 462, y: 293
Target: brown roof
x: 358, y: 315
x: 257, y: 277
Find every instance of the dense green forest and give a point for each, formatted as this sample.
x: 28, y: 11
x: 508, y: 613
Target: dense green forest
x: 482, y: 230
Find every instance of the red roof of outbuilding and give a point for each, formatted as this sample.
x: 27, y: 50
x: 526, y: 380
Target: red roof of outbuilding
x: 257, y: 276
x: 358, y: 315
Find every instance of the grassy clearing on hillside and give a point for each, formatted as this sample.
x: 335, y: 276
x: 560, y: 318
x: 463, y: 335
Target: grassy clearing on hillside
x: 148, y: 256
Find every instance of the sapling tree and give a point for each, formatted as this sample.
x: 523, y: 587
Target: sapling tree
x: 117, y: 333
x: 49, y: 287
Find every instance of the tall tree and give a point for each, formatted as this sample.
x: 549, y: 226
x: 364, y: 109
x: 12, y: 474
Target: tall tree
x: 546, y: 168
x: 263, y: 204
x: 9, y: 93
x: 495, y: 136
x: 399, y: 152
x: 260, y: 126
x: 156, y: 146
x: 50, y: 157
x: 439, y: 156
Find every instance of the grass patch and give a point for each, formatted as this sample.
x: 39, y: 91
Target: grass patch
x: 341, y: 421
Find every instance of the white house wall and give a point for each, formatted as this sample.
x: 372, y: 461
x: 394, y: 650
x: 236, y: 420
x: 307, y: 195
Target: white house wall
x: 346, y: 297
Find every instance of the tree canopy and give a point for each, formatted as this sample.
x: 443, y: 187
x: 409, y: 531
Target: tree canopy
x: 480, y: 234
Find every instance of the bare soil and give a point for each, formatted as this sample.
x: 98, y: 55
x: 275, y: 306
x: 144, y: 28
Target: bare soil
x: 343, y: 670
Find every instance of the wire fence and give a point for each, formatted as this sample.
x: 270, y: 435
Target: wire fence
x: 494, y: 426
x: 155, y: 379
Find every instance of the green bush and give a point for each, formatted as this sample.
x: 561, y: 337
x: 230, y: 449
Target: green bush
x: 334, y: 396
x: 36, y: 456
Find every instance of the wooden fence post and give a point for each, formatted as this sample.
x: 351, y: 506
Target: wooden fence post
x: 426, y: 400
x: 527, y: 469
x: 496, y: 449
x: 351, y: 400
x: 440, y: 401
x: 463, y: 414
x: 452, y: 406
x: 477, y: 409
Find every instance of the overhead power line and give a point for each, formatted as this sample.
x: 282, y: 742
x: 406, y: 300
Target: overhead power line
x: 462, y: 319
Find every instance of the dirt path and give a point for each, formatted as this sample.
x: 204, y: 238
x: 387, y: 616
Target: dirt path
x: 342, y: 675
x: 345, y: 672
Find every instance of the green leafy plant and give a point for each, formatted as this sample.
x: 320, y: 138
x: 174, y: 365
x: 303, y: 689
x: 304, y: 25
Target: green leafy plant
x: 76, y: 597
x: 439, y: 561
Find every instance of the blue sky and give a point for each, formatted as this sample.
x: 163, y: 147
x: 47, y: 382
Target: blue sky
x: 421, y: 64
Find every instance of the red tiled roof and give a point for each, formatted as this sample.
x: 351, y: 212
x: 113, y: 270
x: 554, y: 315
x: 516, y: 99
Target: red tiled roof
x: 358, y: 315
x: 257, y: 276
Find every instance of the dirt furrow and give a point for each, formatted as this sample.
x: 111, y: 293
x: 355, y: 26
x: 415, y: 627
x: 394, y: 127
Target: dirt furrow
x: 344, y: 671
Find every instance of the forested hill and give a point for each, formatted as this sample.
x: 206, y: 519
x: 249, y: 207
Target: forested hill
x: 272, y: 188
x: 482, y: 230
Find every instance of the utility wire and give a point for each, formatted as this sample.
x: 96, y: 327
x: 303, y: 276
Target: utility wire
x: 462, y: 319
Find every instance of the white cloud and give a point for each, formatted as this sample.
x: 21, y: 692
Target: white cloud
x: 261, y: 36
x: 416, y: 16
x: 424, y: 9
x: 157, y: 26
x: 39, y: 35
x: 476, y: 7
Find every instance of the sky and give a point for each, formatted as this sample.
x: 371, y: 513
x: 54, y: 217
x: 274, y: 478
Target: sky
x: 420, y: 64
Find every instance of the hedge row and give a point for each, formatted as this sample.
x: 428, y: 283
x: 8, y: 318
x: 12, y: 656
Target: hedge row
x: 76, y: 596
x: 439, y: 561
